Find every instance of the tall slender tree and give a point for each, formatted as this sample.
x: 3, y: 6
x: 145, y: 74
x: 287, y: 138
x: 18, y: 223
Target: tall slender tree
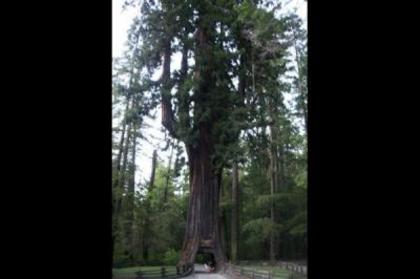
x: 148, y: 206
x: 235, y: 212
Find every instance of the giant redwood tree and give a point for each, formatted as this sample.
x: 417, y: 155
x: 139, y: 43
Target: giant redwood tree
x: 207, y: 100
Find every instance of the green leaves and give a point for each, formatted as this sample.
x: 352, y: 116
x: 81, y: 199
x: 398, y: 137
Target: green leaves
x: 297, y: 226
x: 262, y: 227
x: 171, y: 257
x: 264, y: 201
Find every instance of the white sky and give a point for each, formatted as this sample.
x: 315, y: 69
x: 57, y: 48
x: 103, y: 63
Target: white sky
x: 121, y: 21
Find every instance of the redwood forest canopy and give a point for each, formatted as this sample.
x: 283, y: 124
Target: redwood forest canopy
x: 228, y: 79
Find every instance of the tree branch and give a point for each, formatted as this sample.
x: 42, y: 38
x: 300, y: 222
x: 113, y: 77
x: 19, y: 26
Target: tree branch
x: 168, y: 118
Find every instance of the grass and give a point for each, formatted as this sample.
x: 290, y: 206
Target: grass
x: 134, y: 269
x: 264, y: 267
x: 278, y: 272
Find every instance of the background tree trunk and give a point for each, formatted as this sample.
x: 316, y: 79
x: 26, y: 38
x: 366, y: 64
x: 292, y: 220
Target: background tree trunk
x: 168, y: 175
x: 147, y: 206
x: 235, y: 213
x: 118, y: 167
x: 130, y: 197
x: 274, y: 177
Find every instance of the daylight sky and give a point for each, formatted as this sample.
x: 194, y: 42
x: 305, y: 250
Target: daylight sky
x: 121, y: 20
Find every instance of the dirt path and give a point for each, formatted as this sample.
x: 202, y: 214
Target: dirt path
x: 200, y: 273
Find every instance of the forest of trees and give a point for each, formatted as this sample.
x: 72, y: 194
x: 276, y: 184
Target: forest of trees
x: 235, y: 115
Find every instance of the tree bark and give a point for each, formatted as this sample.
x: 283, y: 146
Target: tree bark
x: 272, y: 211
x: 168, y: 175
x: 203, y: 221
x: 116, y: 184
x: 120, y: 145
x: 130, y: 196
x: 203, y: 233
x: 223, y: 240
x: 153, y: 171
x: 147, y: 220
x: 282, y: 169
x: 168, y: 118
x: 122, y: 173
x: 117, y: 198
x: 274, y: 176
x: 235, y: 213
x: 116, y: 195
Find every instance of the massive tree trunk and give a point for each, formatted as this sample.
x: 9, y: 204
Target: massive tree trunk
x: 203, y: 221
x: 235, y: 213
x: 203, y: 233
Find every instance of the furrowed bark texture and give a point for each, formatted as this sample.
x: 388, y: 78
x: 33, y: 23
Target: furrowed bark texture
x: 203, y: 222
